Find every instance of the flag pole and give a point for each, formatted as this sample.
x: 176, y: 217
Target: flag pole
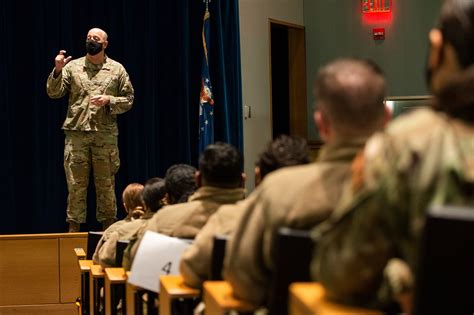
x: 206, y: 102
x: 207, y: 4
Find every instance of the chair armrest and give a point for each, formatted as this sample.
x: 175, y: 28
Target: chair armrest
x: 130, y: 293
x: 84, y: 269
x: 80, y: 253
x: 97, y: 271
x: 113, y: 276
x: 309, y: 298
x: 173, y: 287
x: 219, y: 299
x: 96, y: 276
x: 85, y: 265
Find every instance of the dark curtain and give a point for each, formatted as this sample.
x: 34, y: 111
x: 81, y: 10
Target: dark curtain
x: 159, y: 43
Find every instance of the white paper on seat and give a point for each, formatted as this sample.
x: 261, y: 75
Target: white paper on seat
x: 157, y: 255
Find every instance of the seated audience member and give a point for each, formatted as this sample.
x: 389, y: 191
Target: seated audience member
x: 220, y: 181
x: 153, y: 196
x: 133, y: 204
x: 195, y: 263
x: 422, y: 159
x: 180, y: 183
x: 350, y: 107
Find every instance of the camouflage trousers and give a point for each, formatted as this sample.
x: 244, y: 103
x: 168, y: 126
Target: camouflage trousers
x: 84, y: 150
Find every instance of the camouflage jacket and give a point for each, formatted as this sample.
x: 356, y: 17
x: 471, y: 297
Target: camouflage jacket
x: 423, y: 158
x: 83, y: 79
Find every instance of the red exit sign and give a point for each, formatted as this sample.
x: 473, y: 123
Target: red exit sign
x: 377, y: 11
x: 376, y: 6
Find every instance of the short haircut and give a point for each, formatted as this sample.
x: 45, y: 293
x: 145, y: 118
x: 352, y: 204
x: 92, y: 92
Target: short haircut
x: 221, y: 165
x: 180, y: 182
x: 105, y: 35
x: 153, y: 193
x: 456, y: 23
x: 283, y: 151
x: 132, y: 196
x: 350, y: 93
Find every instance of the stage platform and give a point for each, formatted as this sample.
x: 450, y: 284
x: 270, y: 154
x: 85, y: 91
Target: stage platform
x: 39, y: 273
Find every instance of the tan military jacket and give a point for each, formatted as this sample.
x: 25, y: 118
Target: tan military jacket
x: 195, y: 265
x: 106, y: 235
x: 106, y: 251
x: 185, y: 220
x: 298, y: 197
x: 424, y: 158
x: 83, y: 79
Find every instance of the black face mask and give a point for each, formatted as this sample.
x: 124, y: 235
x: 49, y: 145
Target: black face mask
x: 93, y: 47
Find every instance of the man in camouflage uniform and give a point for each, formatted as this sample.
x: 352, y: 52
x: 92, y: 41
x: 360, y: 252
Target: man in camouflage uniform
x: 423, y: 159
x: 350, y: 95
x: 99, y: 88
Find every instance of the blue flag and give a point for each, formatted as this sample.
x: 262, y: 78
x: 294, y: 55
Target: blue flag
x: 206, y: 101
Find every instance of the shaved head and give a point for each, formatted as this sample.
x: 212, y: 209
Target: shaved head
x: 98, y: 31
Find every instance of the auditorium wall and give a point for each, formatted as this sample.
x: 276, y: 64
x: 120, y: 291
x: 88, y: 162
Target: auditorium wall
x: 255, y: 43
x: 334, y: 28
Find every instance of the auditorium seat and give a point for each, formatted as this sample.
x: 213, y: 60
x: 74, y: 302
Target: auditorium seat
x: 84, y: 258
x: 445, y: 278
x: 293, y: 250
x: 178, y: 298
x: 172, y: 288
x: 132, y: 301
x: 84, y: 268
x: 96, y: 282
x: 115, y: 279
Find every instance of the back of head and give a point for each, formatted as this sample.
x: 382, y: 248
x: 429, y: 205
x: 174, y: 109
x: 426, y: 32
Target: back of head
x: 350, y: 94
x: 457, y: 26
x: 153, y: 194
x: 454, y: 86
x: 180, y: 182
x: 221, y: 165
x: 132, y: 197
x: 283, y: 151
